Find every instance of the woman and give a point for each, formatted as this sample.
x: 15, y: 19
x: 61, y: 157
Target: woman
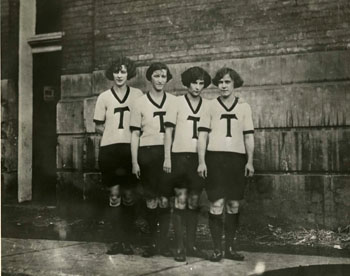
x: 181, y: 159
x: 229, y: 158
x: 147, y: 146
x: 112, y: 117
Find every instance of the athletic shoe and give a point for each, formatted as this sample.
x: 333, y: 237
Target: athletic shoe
x: 196, y: 252
x: 180, y: 255
x: 127, y: 249
x: 231, y: 254
x: 116, y: 248
x: 149, y: 251
x: 216, y: 256
x: 165, y: 251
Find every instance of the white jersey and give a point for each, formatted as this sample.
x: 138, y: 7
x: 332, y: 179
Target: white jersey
x: 115, y: 114
x: 185, y: 118
x: 227, y: 125
x: 148, y: 117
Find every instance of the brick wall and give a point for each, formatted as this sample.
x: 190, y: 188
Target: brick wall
x: 293, y: 55
x: 199, y: 30
x: 78, y: 41
x: 9, y: 96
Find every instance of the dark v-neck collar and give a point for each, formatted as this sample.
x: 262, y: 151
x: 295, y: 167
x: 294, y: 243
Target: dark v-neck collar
x: 194, y: 111
x: 125, y: 96
x: 154, y: 103
x: 233, y: 105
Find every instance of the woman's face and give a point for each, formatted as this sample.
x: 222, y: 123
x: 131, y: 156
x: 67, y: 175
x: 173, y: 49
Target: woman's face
x: 196, y: 88
x: 159, y: 79
x: 120, y: 76
x: 226, y: 86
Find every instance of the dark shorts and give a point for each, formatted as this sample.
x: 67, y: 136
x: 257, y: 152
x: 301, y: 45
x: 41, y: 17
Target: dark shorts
x: 225, y: 175
x: 154, y: 180
x: 184, y: 172
x: 115, y: 165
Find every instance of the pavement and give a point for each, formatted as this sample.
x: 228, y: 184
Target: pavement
x: 54, y: 257
x: 42, y: 240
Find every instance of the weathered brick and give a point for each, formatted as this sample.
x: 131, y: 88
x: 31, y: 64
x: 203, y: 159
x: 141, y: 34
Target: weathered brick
x: 9, y: 100
x: 8, y: 186
x: 89, y: 109
x: 301, y: 199
x: 9, y: 138
x: 70, y: 116
x: 92, y: 151
x: 302, y: 150
x: 70, y: 152
x: 99, y: 82
x: 215, y: 24
x: 79, y: 85
x: 315, y: 67
x: 76, y: 20
x: 9, y: 145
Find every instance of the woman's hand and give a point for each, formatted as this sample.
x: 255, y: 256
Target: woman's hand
x: 167, y: 165
x: 136, y: 170
x: 202, y: 170
x: 249, y: 170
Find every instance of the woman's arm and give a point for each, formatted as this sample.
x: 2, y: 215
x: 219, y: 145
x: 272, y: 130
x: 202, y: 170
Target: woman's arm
x: 99, y: 127
x: 249, y: 146
x: 202, y: 147
x: 168, y: 141
x: 135, y: 142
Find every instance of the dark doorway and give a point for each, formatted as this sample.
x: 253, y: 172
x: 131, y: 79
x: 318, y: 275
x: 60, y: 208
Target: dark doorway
x: 46, y: 94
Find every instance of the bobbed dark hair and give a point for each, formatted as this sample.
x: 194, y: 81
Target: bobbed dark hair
x: 195, y: 73
x: 237, y: 80
x: 116, y: 65
x: 158, y: 66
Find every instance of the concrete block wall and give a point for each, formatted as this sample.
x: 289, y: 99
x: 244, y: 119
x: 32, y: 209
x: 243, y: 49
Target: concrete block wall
x: 9, y: 97
x: 293, y: 55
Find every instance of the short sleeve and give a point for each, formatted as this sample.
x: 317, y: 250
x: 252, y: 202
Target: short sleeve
x: 248, y: 126
x: 205, y: 121
x: 171, y: 115
x: 137, y: 92
x: 100, y: 110
x: 135, y: 117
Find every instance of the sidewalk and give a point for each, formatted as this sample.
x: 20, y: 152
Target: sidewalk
x: 47, y: 257
x: 86, y: 223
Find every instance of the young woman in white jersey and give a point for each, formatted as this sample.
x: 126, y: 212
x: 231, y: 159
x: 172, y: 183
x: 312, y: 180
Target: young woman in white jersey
x: 181, y: 159
x: 147, y: 145
x: 229, y: 159
x: 112, y: 117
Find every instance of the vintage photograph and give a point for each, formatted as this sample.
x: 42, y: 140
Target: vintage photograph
x: 175, y: 137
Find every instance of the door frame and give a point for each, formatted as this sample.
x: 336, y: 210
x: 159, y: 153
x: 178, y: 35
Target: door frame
x: 29, y: 44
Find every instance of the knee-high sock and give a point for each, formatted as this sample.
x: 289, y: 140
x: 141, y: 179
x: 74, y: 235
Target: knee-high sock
x: 128, y: 215
x: 178, y: 219
x: 231, y: 226
x: 164, y: 223
x: 152, y: 220
x: 215, y: 226
x: 191, y: 226
x: 114, y: 216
